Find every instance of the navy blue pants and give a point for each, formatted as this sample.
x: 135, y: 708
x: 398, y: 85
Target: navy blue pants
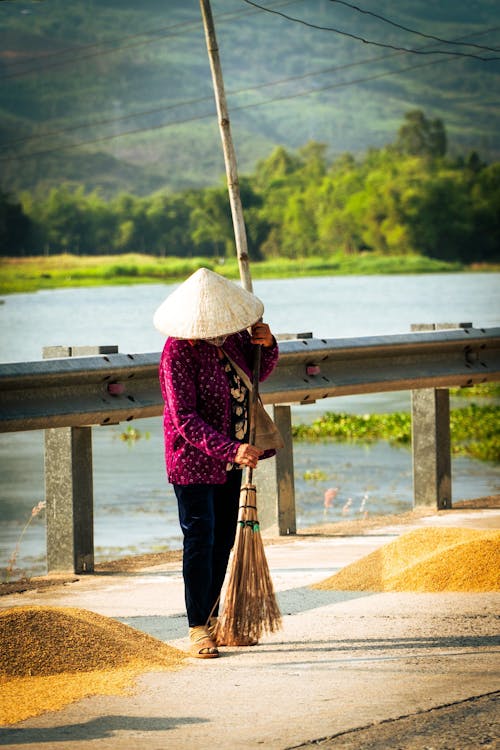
x: 208, y: 514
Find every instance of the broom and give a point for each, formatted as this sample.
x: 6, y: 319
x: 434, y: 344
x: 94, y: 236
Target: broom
x: 249, y: 606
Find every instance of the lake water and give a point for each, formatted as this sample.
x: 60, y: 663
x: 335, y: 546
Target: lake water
x: 135, y: 509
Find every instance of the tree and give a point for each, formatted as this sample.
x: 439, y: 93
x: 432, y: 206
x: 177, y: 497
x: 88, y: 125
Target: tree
x: 101, y: 225
x: 211, y: 228
x: 485, y: 200
x: 419, y: 136
x: 313, y: 157
x: 440, y: 217
x: 299, y: 228
x: 169, y: 217
x: 63, y: 221
x: 15, y: 227
x: 276, y: 168
x: 132, y: 225
x: 403, y: 198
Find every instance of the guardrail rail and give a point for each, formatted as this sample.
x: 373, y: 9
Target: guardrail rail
x: 75, y: 388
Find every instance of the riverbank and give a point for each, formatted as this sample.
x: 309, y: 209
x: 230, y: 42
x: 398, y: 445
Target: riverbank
x: 58, y: 271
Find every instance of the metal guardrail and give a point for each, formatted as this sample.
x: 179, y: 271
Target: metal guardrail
x: 314, y: 369
x: 112, y: 388
x: 73, y: 393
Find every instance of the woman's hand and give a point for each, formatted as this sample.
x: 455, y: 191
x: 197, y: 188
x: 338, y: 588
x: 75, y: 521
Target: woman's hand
x: 248, y: 455
x: 261, y: 334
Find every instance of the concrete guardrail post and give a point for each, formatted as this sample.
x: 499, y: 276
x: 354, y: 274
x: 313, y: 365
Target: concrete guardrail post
x: 274, y: 480
x: 431, y: 446
x: 69, y: 490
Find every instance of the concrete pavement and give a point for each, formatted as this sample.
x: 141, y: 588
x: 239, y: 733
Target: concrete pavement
x: 345, y: 663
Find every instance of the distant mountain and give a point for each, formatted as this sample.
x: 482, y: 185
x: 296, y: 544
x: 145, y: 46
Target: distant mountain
x: 88, y: 71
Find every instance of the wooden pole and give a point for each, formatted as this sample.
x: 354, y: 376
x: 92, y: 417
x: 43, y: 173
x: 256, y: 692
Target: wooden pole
x: 227, y: 146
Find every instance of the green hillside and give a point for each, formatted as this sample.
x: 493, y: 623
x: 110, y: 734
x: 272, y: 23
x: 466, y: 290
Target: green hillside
x: 88, y: 71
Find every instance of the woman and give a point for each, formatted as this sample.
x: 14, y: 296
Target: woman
x: 206, y: 428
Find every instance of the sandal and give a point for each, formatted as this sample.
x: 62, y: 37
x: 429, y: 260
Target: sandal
x: 202, y: 645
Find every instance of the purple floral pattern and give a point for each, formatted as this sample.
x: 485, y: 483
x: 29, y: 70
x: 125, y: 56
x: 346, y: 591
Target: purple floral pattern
x: 197, y: 414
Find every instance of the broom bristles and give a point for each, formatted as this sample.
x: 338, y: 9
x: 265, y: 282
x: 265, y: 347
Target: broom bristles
x: 250, y: 606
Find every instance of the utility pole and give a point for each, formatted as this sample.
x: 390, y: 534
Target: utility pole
x: 227, y: 146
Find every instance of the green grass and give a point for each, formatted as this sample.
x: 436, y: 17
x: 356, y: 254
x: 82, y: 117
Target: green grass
x: 53, y: 272
x: 57, y: 271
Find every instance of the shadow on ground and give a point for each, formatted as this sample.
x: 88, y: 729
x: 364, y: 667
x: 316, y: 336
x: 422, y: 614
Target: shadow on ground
x: 95, y: 729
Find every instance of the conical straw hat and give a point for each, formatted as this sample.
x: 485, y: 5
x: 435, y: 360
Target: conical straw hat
x: 207, y: 305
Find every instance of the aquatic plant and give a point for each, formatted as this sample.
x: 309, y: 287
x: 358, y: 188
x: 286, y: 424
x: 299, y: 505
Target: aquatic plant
x: 132, y: 434
x: 474, y: 429
x: 314, y: 475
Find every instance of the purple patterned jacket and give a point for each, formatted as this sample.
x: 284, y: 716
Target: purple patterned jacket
x: 197, y: 412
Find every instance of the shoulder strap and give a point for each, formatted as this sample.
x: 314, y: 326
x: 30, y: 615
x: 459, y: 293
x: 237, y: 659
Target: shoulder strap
x: 240, y: 372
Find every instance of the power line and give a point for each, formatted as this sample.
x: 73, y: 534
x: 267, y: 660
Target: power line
x: 205, y: 98
x: 97, y: 123
x: 156, y: 110
x: 23, y: 157
x: 369, y: 41
x: 413, y: 31
x: 309, y: 92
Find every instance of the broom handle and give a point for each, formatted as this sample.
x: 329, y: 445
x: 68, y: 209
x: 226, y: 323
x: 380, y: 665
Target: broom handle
x: 254, y: 396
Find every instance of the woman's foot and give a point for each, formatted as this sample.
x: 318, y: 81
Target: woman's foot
x: 202, y: 645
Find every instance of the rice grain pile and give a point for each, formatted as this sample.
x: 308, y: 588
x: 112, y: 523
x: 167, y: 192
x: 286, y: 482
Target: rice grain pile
x: 426, y: 560
x: 52, y: 656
